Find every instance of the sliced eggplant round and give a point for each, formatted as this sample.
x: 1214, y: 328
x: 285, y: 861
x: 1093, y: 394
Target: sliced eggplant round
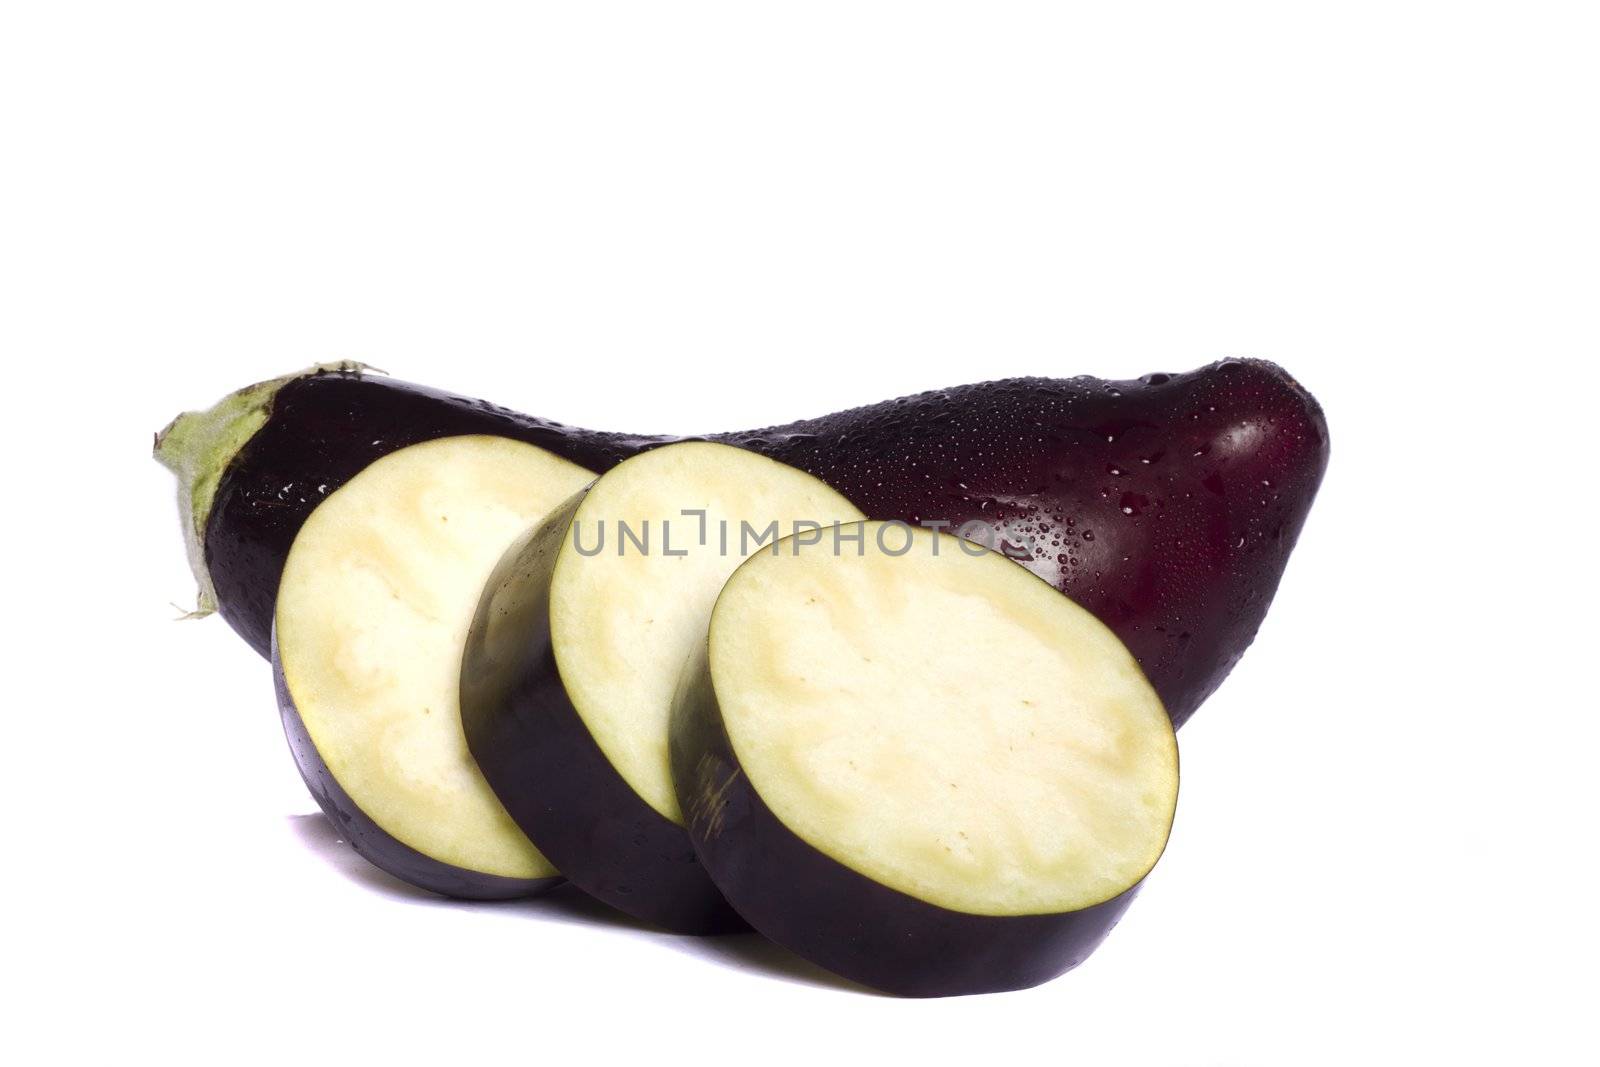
x: 378, y: 591
x: 914, y: 763
x: 577, y: 648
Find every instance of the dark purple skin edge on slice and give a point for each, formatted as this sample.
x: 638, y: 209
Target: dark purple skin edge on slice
x: 370, y: 840
x: 547, y: 769
x: 1167, y: 506
x: 836, y: 917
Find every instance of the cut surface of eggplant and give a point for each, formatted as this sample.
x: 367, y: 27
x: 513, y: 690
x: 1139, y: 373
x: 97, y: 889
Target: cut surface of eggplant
x: 624, y: 620
x: 576, y: 652
x: 918, y: 765
x: 377, y: 595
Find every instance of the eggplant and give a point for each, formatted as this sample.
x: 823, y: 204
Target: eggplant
x: 377, y: 594
x: 1166, y: 505
x: 915, y: 765
x: 575, y: 653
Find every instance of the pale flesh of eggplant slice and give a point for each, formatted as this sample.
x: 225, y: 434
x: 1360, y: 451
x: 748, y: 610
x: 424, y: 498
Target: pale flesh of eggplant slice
x: 573, y: 660
x: 377, y: 595
x: 926, y: 770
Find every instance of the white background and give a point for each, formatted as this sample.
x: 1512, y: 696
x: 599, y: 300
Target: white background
x: 693, y: 217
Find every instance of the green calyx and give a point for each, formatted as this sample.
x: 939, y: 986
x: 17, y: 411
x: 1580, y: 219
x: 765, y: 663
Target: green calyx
x: 198, y: 446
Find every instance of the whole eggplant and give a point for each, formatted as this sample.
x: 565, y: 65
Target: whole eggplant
x: 1166, y: 505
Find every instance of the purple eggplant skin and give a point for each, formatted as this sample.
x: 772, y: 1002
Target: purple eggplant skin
x: 544, y: 765
x: 1165, y: 505
x: 836, y: 917
x: 324, y: 429
x: 371, y: 841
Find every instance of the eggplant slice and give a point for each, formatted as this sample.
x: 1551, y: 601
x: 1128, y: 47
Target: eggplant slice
x: 576, y: 652
x: 916, y: 764
x: 378, y: 591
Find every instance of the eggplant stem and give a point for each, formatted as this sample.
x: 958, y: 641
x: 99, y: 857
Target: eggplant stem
x: 198, y: 446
